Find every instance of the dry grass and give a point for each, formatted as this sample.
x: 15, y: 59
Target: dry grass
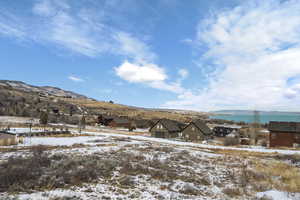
x: 280, y: 175
x: 243, y: 153
x: 48, y: 148
x: 122, y: 110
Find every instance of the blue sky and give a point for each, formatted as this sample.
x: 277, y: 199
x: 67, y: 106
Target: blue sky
x: 198, y: 55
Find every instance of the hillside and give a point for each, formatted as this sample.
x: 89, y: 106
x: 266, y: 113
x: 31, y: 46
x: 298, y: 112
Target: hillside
x: 21, y: 99
x: 44, y: 90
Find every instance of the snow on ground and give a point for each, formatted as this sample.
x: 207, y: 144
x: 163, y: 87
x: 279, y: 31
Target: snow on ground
x: 25, y: 130
x: 200, y: 173
x: 21, y: 120
x: 278, y: 195
x: 191, y: 144
x: 144, y: 186
x: 104, y: 133
x: 59, y: 141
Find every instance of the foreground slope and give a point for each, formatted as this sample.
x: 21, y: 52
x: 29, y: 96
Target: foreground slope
x: 112, y: 166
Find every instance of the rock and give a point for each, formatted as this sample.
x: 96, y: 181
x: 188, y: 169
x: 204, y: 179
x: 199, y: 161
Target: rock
x: 190, y: 189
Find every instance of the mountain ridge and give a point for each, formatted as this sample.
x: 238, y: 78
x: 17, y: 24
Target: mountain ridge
x: 43, y: 90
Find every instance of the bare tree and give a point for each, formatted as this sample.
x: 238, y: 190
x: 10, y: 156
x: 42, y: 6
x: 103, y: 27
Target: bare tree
x: 82, y: 123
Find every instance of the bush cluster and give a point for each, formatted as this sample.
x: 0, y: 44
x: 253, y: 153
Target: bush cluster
x: 42, y: 171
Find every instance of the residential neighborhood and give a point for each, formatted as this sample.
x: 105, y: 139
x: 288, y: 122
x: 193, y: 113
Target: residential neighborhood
x: 149, y: 100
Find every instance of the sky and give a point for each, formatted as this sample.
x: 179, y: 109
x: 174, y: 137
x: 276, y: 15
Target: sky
x: 202, y: 55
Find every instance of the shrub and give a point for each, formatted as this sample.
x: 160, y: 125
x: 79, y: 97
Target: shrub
x: 40, y: 171
x: 20, y: 173
x: 232, y: 192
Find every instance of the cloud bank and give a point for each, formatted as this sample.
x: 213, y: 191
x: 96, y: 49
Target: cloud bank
x: 255, y: 50
x: 82, y: 31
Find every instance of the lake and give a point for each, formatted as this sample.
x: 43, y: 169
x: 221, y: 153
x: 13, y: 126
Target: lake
x: 264, y: 118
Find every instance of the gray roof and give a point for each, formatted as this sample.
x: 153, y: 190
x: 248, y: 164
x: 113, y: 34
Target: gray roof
x: 170, y: 125
x: 292, y: 127
x: 202, y: 127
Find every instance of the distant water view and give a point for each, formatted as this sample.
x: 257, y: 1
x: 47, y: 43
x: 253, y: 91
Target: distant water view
x: 264, y: 118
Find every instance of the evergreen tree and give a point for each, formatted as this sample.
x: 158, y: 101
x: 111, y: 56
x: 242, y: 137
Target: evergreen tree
x: 44, y: 119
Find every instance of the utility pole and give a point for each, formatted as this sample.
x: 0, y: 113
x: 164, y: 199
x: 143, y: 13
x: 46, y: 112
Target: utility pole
x: 256, y: 125
x: 30, y: 128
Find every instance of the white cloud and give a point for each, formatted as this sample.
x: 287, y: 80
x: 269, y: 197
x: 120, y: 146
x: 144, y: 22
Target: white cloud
x: 183, y: 73
x: 255, y: 49
x: 75, y: 32
x: 134, y: 48
x: 136, y: 73
x: 84, y: 31
x: 142, y: 69
x: 75, y: 79
x: 10, y: 27
x: 44, y: 7
x: 147, y: 73
x: 78, y: 29
x: 187, y: 41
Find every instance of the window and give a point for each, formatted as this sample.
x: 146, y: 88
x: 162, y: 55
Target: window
x: 159, y: 126
x: 193, y: 128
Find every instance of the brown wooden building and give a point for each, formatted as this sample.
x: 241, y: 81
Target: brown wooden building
x: 196, y: 131
x: 105, y: 119
x: 7, y: 139
x: 284, y: 134
x: 120, y: 122
x: 165, y: 128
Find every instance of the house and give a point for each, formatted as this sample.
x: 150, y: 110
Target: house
x: 105, y: 119
x: 165, y: 128
x: 142, y: 123
x: 7, y: 139
x: 196, y: 131
x: 284, y: 134
x: 222, y: 131
x: 120, y: 122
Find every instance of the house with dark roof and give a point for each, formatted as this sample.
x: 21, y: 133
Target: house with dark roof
x: 223, y: 130
x: 285, y: 134
x: 196, y: 131
x: 120, y: 122
x: 105, y: 119
x: 165, y: 128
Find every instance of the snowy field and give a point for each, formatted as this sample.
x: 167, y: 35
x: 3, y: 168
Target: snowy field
x: 83, y: 139
x: 20, y: 120
x: 147, y: 168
